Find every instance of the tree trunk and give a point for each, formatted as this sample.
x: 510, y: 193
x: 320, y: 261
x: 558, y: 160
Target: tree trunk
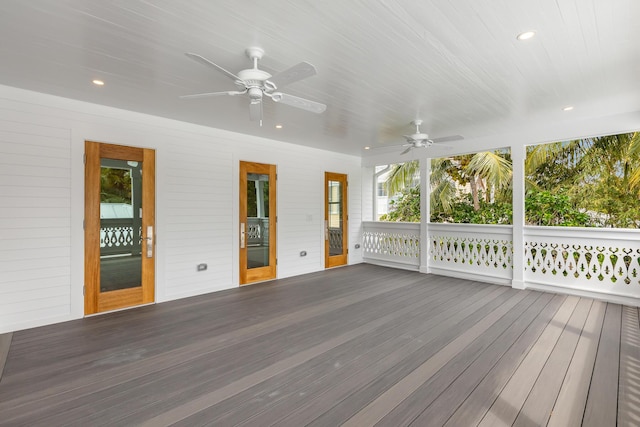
x: 474, y: 192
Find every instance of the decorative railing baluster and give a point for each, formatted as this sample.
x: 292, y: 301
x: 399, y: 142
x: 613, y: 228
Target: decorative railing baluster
x: 594, y: 260
x: 116, y: 236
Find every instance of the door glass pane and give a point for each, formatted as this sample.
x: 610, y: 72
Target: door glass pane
x: 120, y: 224
x: 335, y: 218
x: 257, y: 232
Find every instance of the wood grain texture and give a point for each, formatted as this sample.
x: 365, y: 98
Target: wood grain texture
x: 475, y: 406
x: 95, y: 300
x: 120, y: 298
x: 537, y: 408
x: 357, y: 345
x: 629, y: 384
x: 507, y: 404
x: 267, y: 272
x: 91, y: 226
x: 514, y: 329
x: 336, y: 260
x: 148, y: 219
x: 602, y: 402
x: 569, y: 406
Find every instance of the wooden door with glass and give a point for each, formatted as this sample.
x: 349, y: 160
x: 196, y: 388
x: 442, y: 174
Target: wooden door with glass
x: 335, y: 220
x: 119, y: 227
x: 257, y: 222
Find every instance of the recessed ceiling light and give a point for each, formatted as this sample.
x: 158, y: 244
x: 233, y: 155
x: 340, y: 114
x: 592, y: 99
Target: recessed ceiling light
x: 568, y: 108
x: 526, y: 35
x: 278, y: 126
x: 98, y: 82
x: 367, y: 148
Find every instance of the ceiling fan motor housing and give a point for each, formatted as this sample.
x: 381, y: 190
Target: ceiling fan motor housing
x: 253, y: 76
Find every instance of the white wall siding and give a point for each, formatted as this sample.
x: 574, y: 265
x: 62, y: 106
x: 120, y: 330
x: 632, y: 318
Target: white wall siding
x: 42, y: 202
x: 196, y: 206
x: 35, y: 242
x: 300, y: 216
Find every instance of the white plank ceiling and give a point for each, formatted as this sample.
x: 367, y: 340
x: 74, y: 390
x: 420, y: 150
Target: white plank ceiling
x: 381, y: 63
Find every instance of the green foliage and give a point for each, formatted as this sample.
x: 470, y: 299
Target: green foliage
x: 406, y: 208
x: 543, y: 208
x: 401, y: 176
x: 463, y: 212
x: 590, y: 182
x: 548, y: 209
x: 115, y: 185
x: 598, y: 175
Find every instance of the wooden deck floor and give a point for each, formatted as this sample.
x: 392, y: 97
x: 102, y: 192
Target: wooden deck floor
x: 360, y: 345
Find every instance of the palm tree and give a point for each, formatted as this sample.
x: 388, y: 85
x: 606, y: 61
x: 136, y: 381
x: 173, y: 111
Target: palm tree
x: 401, y: 176
x: 600, y: 174
x: 553, y: 165
x: 487, y: 172
x: 443, y: 186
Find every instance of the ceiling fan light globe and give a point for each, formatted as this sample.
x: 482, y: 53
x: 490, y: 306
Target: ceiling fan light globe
x: 255, y: 93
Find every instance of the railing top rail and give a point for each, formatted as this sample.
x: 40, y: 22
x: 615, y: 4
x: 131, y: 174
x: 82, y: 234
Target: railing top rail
x: 531, y: 231
x: 583, y: 232
x: 391, y: 225
x: 116, y: 221
x: 494, y: 228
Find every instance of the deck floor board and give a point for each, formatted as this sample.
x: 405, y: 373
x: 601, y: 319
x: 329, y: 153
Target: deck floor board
x: 358, y: 345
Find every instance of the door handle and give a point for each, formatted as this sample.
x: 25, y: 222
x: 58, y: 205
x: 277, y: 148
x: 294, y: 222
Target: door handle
x: 149, y: 240
x: 242, y: 235
x: 326, y: 230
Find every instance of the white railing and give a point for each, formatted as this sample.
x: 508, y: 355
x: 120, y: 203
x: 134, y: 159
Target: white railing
x: 594, y: 262
x: 472, y: 250
x: 257, y: 231
x: 604, y: 261
x: 335, y: 239
x: 395, y: 244
x: 116, y: 237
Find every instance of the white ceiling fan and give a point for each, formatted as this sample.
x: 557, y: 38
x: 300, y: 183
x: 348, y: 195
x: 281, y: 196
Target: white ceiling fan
x: 257, y: 84
x: 422, y: 140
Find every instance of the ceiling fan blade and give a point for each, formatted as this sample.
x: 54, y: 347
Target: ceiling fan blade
x: 409, y: 148
x: 209, y: 94
x: 293, y: 74
x: 255, y: 110
x: 294, y: 101
x: 448, y: 138
x: 205, y: 61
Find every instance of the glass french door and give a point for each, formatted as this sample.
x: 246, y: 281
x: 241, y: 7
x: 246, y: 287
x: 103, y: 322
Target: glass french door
x: 119, y: 226
x: 257, y: 222
x: 335, y: 220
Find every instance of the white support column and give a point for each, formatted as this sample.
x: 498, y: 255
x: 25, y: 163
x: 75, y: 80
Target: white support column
x: 377, y: 175
x: 260, y: 213
x: 518, y: 153
x: 425, y: 213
